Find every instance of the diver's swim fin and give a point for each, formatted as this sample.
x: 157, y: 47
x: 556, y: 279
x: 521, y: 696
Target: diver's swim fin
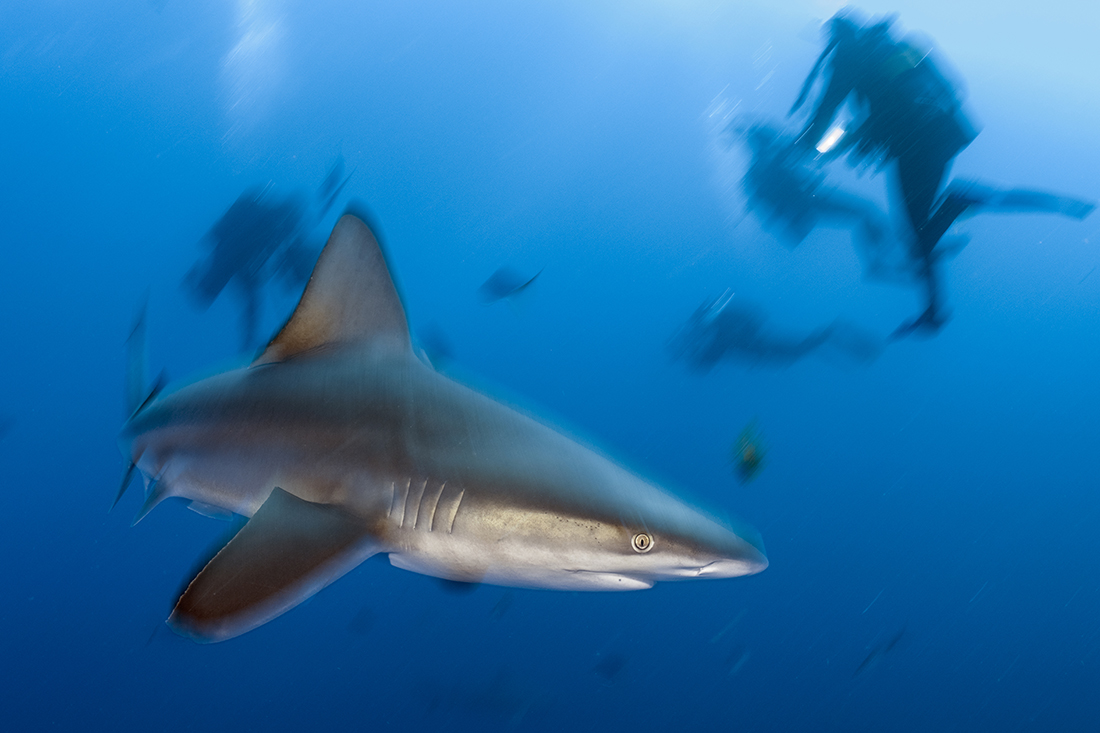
x: 975, y: 197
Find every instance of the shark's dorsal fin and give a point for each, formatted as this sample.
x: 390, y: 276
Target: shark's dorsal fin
x: 350, y: 298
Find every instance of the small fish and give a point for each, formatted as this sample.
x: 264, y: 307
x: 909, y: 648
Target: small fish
x: 609, y: 665
x: 878, y: 651
x: 748, y: 453
x: 505, y: 283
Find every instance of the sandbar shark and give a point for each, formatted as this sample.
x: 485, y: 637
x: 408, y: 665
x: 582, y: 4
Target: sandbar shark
x: 338, y: 443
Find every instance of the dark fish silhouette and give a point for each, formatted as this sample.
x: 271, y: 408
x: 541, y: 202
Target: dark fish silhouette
x: 609, y: 665
x: 878, y: 651
x: 748, y: 453
x: 505, y: 283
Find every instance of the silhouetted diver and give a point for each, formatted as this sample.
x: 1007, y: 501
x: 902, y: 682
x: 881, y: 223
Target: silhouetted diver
x: 723, y: 329
x: 791, y: 198
x: 910, y: 116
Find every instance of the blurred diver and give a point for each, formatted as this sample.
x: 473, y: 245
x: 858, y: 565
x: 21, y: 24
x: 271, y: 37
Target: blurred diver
x: 791, y: 198
x: 719, y: 329
x: 909, y: 114
x: 257, y: 238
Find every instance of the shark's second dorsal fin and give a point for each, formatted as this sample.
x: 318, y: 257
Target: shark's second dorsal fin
x: 350, y: 298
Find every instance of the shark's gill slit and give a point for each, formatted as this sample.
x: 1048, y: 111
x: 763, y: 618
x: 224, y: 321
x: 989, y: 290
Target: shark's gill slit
x: 454, y: 512
x: 435, y: 505
x: 405, y: 503
x: 416, y: 503
x: 361, y: 408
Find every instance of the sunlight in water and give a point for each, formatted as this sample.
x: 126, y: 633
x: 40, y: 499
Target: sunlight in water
x: 252, y: 69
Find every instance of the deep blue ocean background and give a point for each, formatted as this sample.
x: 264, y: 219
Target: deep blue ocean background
x: 947, y: 493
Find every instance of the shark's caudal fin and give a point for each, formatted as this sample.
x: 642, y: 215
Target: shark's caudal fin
x: 288, y: 550
x: 350, y: 298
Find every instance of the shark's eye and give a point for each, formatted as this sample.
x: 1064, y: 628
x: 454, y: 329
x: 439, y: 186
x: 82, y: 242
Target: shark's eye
x: 641, y: 542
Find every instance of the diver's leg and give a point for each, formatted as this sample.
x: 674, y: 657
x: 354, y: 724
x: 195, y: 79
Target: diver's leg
x: 1016, y: 200
x: 918, y: 181
x: 934, y: 315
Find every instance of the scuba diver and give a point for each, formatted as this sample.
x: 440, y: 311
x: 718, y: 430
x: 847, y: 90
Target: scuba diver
x: 723, y: 329
x: 909, y: 115
x: 791, y: 198
x: 258, y: 238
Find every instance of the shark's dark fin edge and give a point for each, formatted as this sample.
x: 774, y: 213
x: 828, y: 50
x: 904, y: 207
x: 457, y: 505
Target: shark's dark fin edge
x: 350, y: 299
x: 288, y: 550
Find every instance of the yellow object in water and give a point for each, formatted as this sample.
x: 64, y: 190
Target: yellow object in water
x: 748, y: 453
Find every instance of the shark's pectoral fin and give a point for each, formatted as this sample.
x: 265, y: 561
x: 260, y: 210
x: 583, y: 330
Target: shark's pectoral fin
x: 288, y: 550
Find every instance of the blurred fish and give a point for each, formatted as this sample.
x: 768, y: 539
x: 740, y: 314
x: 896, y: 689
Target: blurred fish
x: 748, y: 453
x: 878, y: 651
x: 610, y: 664
x: 505, y: 283
x: 338, y: 444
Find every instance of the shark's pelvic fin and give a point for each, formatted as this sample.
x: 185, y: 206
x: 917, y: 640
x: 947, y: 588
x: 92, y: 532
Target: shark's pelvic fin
x: 126, y: 479
x: 350, y: 299
x: 157, y: 492
x: 288, y: 550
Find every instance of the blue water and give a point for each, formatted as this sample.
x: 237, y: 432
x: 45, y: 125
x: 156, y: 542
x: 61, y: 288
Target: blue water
x: 944, y: 497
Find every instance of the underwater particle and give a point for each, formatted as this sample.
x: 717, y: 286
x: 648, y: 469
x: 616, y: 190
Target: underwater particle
x: 748, y: 453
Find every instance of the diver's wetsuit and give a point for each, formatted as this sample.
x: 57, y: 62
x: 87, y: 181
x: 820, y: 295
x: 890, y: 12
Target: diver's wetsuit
x: 913, y: 118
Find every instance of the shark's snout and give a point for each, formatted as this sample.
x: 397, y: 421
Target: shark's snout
x: 734, y: 567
